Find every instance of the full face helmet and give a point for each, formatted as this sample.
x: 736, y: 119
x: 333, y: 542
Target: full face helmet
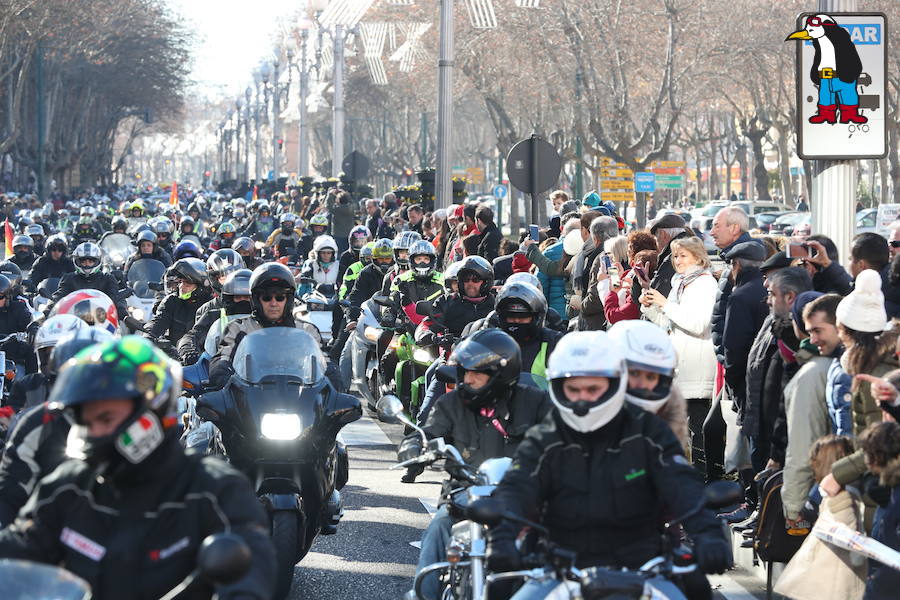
x: 87, y: 257
x: 318, y: 224
x: 517, y: 301
x: 422, y: 259
x: 383, y: 254
x: 91, y: 306
x: 646, y: 348
x: 220, y: 264
x: 489, y: 351
x: 50, y: 333
x: 236, y: 293
x: 402, y: 244
x: 365, y: 253
x: 187, y: 249
x: 359, y: 237
x: 226, y: 234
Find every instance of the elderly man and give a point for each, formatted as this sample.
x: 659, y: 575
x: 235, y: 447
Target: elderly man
x: 665, y: 229
x: 592, y: 316
x: 894, y: 239
x: 375, y: 223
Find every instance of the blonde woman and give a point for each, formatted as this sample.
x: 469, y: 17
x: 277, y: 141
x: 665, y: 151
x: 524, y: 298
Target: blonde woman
x: 687, y: 314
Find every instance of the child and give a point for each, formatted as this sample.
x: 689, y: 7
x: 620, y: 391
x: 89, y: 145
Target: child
x: 824, y: 452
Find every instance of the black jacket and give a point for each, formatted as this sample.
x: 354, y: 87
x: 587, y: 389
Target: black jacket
x: 24, y: 263
x: 29, y: 391
x: 665, y: 270
x: 348, y: 257
x: 367, y: 285
x: 175, y: 316
x: 602, y: 494
x: 190, y: 346
x: 158, y: 254
x: 456, y: 312
x: 489, y: 246
x: 745, y: 312
x: 102, y: 282
x: 47, y: 268
x: 14, y: 317
x: 721, y: 305
x: 891, y: 293
x: 475, y: 436
x: 36, y: 445
x: 833, y: 280
x: 140, y: 540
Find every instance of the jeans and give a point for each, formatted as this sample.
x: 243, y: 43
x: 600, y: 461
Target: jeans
x: 834, y: 91
x: 345, y: 364
x: 434, y: 550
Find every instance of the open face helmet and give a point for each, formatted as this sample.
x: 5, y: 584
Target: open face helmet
x: 236, y: 293
x: 324, y: 243
x: 517, y: 301
x: 477, y: 267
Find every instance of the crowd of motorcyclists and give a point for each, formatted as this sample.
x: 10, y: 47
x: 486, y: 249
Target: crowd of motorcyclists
x: 112, y: 302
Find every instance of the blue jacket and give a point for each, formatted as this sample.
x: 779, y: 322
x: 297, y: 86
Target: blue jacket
x: 837, y: 397
x: 745, y: 311
x: 721, y: 305
x: 883, y: 581
x: 554, y: 287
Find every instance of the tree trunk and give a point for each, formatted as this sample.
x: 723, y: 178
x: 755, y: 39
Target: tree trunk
x: 760, y: 175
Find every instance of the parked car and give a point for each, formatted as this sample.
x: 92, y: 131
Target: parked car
x: 800, y: 225
x: 764, y: 221
x: 785, y: 220
x: 866, y: 220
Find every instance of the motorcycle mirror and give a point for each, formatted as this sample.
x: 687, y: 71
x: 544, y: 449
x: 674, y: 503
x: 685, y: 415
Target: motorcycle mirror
x: 224, y: 558
x: 486, y: 511
x: 389, y: 408
x: 308, y: 280
x: 423, y: 307
x: 344, y: 303
x: 446, y: 374
x: 720, y: 494
x: 381, y: 300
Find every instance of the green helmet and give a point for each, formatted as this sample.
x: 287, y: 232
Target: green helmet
x: 129, y: 368
x: 383, y: 248
x: 365, y: 253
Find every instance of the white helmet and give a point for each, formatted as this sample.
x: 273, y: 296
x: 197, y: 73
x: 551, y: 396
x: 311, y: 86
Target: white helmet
x: 648, y: 348
x: 587, y: 354
x: 324, y: 242
x: 56, y: 328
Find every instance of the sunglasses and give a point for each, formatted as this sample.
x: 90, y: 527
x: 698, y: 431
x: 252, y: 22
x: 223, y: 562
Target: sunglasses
x: 276, y: 297
x: 895, y: 243
x: 3, y: 297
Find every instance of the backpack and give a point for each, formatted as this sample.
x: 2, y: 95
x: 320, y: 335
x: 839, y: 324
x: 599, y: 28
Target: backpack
x: 773, y: 543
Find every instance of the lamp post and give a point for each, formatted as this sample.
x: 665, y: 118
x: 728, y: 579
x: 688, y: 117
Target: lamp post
x: 443, y: 187
x: 304, y: 67
x: 276, y: 114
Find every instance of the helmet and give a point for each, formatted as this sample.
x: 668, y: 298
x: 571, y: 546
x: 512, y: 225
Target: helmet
x: 263, y: 207
x: 226, y: 229
x: 145, y: 236
x: 22, y: 240
x: 237, y: 284
x: 451, y: 275
x: 187, y: 248
x: 34, y: 231
x: 119, y: 223
x: 525, y: 277
x: 192, y: 270
x: 74, y: 342
x: 239, y: 213
x: 403, y: 242
x: 162, y: 226
x: 49, y: 334
x: 13, y: 275
x: 193, y: 207
x: 647, y: 347
x: 287, y: 219
x: 587, y: 354
x: 221, y: 263
x: 490, y: 351
x: 87, y: 258
x: 521, y: 300
x: 382, y: 249
x: 422, y: 248
x: 57, y: 242
x: 358, y: 237
x: 186, y: 220
x: 325, y: 242
x: 137, y: 205
x: 91, y: 306
x: 269, y: 276
x: 243, y: 244
x: 480, y: 267
x: 318, y: 221
x: 133, y: 368
x: 365, y: 253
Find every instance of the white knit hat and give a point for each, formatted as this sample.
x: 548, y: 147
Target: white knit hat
x: 863, y: 308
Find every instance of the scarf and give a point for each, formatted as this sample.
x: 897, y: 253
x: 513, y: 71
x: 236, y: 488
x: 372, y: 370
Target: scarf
x: 686, y: 279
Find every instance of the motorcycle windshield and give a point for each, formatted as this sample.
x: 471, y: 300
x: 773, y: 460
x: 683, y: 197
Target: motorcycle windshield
x: 142, y: 272
x: 24, y: 580
x: 283, y: 351
x: 117, y: 247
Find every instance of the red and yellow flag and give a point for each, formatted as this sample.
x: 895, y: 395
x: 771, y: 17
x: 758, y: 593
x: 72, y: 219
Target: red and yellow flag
x: 8, y: 237
x: 255, y: 197
x: 173, y: 196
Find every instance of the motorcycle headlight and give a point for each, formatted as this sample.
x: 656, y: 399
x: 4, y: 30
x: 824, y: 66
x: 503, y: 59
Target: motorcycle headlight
x: 281, y: 426
x: 373, y: 334
x: 422, y: 355
x: 136, y: 312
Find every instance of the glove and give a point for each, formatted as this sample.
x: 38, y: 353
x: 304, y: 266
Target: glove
x: 502, y: 555
x: 408, y: 451
x: 133, y: 323
x: 713, y: 554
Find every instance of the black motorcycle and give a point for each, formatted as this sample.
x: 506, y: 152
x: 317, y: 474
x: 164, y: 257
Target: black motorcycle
x: 279, y: 417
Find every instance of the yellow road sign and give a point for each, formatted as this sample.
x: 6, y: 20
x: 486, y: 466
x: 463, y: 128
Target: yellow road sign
x: 608, y: 162
x: 616, y: 184
x: 617, y: 196
x: 475, y: 175
x: 669, y: 164
x: 611, y: 172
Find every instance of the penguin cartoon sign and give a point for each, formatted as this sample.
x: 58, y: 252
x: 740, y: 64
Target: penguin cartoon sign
x: 841, y: 73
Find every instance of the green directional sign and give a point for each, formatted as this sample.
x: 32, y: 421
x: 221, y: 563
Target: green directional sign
x: 670, y: 182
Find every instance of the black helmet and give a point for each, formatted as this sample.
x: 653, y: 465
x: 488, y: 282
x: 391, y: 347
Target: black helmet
x: 522, y: 300
x: 145, y: 236
x: 490, y: 351
x: 119, y: 223
x: 237, y: 284
x: 221, y: 263
x: 5, y: 285
x: 13, y: 274
x: 190, y: 269
x: 186, y: 220
x: 131, y: 368
x: 481, y: 268
x: 272, y: 276
x: 57, y: 242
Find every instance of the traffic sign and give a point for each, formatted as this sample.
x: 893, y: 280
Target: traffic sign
x: 667, y: 171
x: 475, y: 175
x: 841, y: 103
x: 356, y: 165
x: 669, y: 178
x: 617, y: 196
x: 608, y: 162
x: 533, y: 165
x: 669, y: 164
x: 613, y: 172
x: 644, y: 182
x: 616, y: 184
x: 500, y: 192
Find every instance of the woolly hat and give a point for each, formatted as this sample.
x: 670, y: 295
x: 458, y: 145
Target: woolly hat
x: 863, y: 309
x: 800, y: 303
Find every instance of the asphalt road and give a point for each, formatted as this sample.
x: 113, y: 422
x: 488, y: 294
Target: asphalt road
x: 371, y: 556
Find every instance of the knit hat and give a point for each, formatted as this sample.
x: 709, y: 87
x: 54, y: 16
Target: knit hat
x: 863, y: 308
x: 800, y: 303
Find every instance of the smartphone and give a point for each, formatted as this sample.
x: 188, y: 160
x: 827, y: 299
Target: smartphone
x: 798, y: 251
x: 534, y: 233
x: 612, y: 270
x: 642, y: 276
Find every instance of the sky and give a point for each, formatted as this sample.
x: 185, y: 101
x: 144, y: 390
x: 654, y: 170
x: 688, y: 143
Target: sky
x: 233, y: 36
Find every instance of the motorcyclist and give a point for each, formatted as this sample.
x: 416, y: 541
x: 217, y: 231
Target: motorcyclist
x: 187, y: 249
x: 261, y: 226
x: 23, y: 252
x: 353, y: 271
x: 225, y: 234
x: 233, y: 299
x: 54, y: 263
x: 475, y: 299
x: 119, y: 226
x: 286, y: 240
x: 323, y: 265
x: 163, y: 227
x: 37, y: 436
x: 486, y: 416
x: 370, y: 279
x: 272, y: 290
x: 598, y: 472
x: 175, y: 315
x: 402, y: 244
x: 186, y: 227
x: 84, y: 232
x: 15, y: 318
x: 122, y: 397
x: 421, y: 282
x: 36, y: 233
x: 148, y: 249
x: 88, y: 275
x: 11, y: 271
x: 358, y: 238
x: 247, y: 249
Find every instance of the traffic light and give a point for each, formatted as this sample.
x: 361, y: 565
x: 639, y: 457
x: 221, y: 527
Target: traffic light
x: 280, y: 143
x: 408, y: 172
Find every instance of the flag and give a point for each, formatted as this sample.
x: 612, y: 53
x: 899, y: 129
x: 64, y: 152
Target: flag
x: 8, y: 237
x: 255, y: 197
x: 173, y: 196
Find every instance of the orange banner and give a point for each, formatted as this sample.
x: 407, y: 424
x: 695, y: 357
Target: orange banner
x: 8, y: 235
x: 173, y: 196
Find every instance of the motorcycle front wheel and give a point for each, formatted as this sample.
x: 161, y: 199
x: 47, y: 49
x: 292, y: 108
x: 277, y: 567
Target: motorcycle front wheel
x: 286, y: 539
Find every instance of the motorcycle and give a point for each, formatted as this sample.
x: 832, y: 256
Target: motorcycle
x: 117, y: 247
x: 144, y: 279
x: 654, y: 579
x: 318, y: 307
x: 223, y: 558
x: 364, y: 357
x: 463, y: 571
x: 279, y: 418
x: 43, y: 294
